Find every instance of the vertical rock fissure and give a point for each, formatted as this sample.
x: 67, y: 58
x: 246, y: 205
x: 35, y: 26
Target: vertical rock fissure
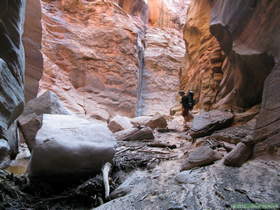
x: 141, y: 69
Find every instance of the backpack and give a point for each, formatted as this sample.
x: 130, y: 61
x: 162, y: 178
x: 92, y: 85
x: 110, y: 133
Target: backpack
x: 191, y: 101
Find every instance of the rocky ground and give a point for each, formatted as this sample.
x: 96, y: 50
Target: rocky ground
x: 147, y: 175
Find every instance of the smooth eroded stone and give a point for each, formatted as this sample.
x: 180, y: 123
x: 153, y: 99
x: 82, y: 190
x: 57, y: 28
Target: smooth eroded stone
x: 207, y: 122
x: 30, y: 120
x: 201, y: 156
x: 68, y: 147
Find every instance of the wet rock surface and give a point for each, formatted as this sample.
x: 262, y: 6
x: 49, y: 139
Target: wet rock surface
x: 32, y: 45
x: 207, y: 122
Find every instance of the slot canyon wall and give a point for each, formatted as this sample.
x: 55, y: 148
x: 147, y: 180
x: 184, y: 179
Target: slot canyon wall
x: 219, y: 76
x: 232, y: 61
x: 255, y: 41
x: 12, y: 74
x: 99, y: 56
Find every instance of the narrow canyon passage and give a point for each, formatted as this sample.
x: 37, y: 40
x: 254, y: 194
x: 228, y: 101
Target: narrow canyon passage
x: 91, y: 116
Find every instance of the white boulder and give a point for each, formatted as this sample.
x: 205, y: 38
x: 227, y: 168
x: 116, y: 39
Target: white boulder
x: 68, y: 147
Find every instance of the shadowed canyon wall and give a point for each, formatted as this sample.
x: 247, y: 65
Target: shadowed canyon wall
x: 12, y: 72
x: 232, y: 61
x: 95, y: 55
x: 219, y: 76
x: 251, y: 30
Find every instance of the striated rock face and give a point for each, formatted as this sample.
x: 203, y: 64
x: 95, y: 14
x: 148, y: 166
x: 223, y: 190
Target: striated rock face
x: 136, y: 8
x: 219, y: 76
x: 249, y: 33
x: 91, y: 57
x: 233, y: 55
x: 11, y: 68
x: 163, y: 57
x: 171, y: 13
x: 203, y: 70
x: 32, y: 45
x: 158, y: 13
x: 103, y: 58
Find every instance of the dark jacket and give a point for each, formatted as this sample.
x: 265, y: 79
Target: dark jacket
x: 187, y: 101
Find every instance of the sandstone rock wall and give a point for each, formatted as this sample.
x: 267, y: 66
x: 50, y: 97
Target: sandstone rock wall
x: 11, y: 68
x: 158, y: 13
x: 91, y: 57
x: 163, y: 56
x: 32, y: 45
x: 220, y: 76
x: 233, y: 54
x: 94, y: 56
x: 203, y: 67
x: 251, y: 30
x: 167, y: 13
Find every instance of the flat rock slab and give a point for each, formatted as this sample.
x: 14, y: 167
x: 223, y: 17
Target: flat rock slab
x: 207, y: 122
x: 134, y: 134
x: 69, y: 147
x: 201, y: 156
x: 232, y: 135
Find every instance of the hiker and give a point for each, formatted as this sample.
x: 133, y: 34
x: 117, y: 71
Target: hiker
x: 187, y: 105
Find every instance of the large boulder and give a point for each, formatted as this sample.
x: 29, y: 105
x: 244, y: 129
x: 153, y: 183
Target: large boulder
x: 119, y: 123
x: 68, y: 147
x: 31, y: 119
x: 47, y: 103
x: 207, y: 122
x: 201, y: 156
